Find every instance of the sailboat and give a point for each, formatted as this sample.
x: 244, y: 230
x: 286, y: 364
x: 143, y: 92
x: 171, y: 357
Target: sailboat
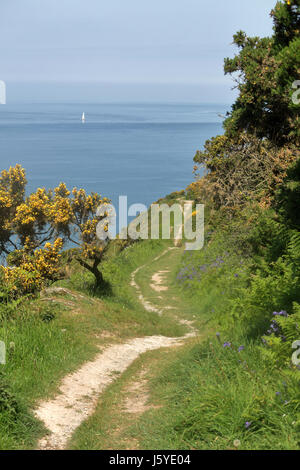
x: 83, y: 117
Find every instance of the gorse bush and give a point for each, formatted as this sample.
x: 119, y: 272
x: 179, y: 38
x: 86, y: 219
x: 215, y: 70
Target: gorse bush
x: 252, y: 180
x: 247, y: 278
x: 239, y: 389
x: 243, y: 170
x: 33, y: 270
x: 34, y: 229
x: 262, y: 131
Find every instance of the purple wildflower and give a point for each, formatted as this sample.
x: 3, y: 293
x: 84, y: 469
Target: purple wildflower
x: 227, y: 345
x: 274, y: 327
x: 241, y: 348
x: 248, y: 424
x: 282, y: 313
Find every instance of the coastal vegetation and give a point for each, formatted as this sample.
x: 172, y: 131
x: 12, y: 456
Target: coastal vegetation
x: 231, y: 386
x: 35, y: 228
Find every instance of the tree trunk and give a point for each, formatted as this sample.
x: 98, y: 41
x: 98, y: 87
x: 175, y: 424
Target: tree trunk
x: 98, y: 276
x: 93, y: 269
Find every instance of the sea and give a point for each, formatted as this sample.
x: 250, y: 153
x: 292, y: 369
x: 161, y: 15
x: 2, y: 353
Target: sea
x: 142, y: 151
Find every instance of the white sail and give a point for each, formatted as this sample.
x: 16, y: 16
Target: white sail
x: 83, y: 117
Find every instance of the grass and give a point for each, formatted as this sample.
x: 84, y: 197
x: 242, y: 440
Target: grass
x: 112, y: 426
x: 198, y: 396
x: 210, y: 392
x: 202, y: 395
x: 109, y: 427
x: 208, y: 396
x: 45, y: 348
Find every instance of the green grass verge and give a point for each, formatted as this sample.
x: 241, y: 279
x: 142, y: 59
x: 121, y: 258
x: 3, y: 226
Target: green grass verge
x: 45, y: 341
x: 217, y: 394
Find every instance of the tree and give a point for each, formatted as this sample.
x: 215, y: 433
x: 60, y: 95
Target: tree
x: 81, y: 227
x: 265, y: 70
x: 34, y: 229
x: 246, y: 169
x: 288, y: 197
x: 262, y: 131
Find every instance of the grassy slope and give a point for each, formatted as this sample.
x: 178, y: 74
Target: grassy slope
x: 199, y: 396
x: 210, y: 392
x: 110, y: 427
x: 202, y: 395
x: 43, y: 352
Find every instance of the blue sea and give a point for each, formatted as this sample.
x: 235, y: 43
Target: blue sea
x: 144, y: 151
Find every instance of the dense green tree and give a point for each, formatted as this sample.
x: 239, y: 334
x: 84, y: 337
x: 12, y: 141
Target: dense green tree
x: 265, y: 70
x: 288, y: 199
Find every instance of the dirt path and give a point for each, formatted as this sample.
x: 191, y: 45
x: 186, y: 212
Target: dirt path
x: 146, y: 304
x: 157, y: 281
x: 79, y: 392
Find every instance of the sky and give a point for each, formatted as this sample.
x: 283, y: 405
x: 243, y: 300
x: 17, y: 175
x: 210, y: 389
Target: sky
x: 123, y: 50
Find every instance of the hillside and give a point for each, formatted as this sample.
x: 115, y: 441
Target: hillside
x: 143, y: 344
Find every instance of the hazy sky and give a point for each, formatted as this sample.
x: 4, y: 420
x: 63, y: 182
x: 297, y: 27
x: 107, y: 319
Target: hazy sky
x: 126, y: 49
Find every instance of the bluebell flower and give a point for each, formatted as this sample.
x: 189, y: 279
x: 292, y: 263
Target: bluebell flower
x: 283, y: 313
